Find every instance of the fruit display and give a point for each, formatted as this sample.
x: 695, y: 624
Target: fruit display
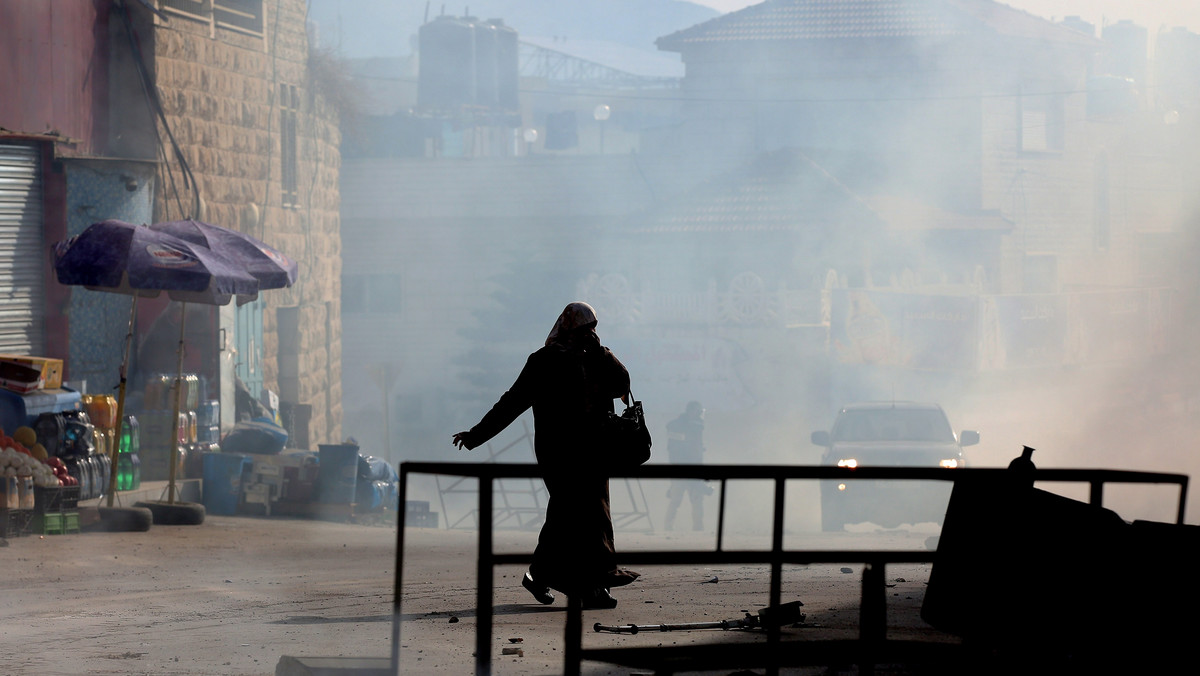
x: 17, y: 459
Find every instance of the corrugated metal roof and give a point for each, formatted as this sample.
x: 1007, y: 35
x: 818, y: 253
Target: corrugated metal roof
x: 841, y: 19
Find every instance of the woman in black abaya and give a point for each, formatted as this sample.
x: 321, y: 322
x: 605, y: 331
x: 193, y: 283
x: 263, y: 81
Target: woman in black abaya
x: 570, y: 383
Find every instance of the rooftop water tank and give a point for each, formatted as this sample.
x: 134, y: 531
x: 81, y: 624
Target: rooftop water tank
x: 447, y: 63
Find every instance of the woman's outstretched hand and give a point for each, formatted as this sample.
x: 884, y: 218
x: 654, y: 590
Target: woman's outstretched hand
x: 460, y: 440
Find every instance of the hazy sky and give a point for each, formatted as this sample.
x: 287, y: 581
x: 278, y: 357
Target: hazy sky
x: 1151, y: 14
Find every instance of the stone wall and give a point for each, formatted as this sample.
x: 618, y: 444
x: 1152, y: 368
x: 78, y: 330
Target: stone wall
x: 220, y: 91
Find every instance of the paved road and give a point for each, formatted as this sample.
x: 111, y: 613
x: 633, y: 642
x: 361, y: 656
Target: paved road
x: 236, y: 594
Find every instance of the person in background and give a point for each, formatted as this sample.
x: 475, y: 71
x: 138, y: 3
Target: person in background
x: 570, y: 383
x: 685, y: 446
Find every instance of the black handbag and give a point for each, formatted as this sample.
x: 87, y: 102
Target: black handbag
x: 624, y: 438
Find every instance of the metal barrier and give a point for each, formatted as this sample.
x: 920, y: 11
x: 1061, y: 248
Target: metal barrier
x: 870, y: 648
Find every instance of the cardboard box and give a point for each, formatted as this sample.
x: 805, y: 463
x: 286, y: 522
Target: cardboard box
x: 50, y: 370
x: 20, y: 378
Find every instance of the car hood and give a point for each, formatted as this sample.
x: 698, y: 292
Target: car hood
x: 893, y: 453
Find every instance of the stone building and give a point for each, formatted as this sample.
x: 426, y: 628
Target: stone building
x: 157, y: 111
x: 245, y: 100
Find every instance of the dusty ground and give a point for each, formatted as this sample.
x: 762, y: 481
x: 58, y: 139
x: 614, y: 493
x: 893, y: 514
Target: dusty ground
x: 234, y: 595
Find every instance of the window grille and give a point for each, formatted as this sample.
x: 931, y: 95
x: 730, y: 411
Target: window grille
x: 242, y: 16
x: 289, y: 111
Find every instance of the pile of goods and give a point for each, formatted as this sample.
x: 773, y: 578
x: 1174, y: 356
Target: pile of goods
x: 22, y: 456
x: 40, y: 491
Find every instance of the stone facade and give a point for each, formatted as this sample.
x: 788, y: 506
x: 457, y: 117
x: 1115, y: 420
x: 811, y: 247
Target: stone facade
x: 223, y: 92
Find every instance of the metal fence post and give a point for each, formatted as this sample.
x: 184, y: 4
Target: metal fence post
x: 398, y: 582
x: 484, y: 580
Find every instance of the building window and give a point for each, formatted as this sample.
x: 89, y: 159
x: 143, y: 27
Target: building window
x: 289, y: 110
x: 371, y: 294
x: 242, y: 16
x: 1041, y: 123
x: 193, y: 9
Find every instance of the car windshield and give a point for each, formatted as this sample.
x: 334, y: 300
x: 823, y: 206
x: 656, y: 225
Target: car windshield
x: 893, y: 424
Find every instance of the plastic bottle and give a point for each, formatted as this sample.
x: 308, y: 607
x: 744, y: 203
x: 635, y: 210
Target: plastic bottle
x: 124, y: 472
x: 78, y: 469
x: 103, y: 474
x: 192, y: 427
x: 111, y: 402
x: 135, y: 450
x: 129, y: 476
x: 181, y: 429
x: 193, y: 391
x: 101, y: 409
x: 99, y: 438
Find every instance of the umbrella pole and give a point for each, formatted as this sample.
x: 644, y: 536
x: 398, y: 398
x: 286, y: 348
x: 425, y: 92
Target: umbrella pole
x: 115, y: 451
x: 178, y: 396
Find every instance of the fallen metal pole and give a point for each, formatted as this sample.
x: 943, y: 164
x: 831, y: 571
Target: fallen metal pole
x: 683, y: 626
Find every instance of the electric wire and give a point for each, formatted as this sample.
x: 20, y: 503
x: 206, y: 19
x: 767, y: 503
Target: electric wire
x: 150, y: 89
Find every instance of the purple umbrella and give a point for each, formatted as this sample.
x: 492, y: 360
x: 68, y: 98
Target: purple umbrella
x: 119, y: 257
x: 271, y: 267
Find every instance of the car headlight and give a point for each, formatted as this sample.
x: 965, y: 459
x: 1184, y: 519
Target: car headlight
x: 849, y: 463
x: 950, y: 463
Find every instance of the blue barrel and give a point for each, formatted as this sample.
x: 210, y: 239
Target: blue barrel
x: 337, y: 473
x: 222, y: 481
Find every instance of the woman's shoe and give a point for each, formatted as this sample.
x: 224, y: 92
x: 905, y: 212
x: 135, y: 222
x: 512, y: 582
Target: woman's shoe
x: 542, y: 594
x: 599, y: 599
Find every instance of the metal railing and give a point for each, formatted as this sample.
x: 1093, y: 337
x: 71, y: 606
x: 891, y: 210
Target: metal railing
x: 871, y: 645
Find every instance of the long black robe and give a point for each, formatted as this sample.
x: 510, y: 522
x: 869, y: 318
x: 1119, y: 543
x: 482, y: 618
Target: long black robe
x: 569, y: 389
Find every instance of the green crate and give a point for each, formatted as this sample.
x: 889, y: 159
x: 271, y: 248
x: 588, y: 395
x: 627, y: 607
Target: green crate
x: 57, y: 523
x: 50, y: 523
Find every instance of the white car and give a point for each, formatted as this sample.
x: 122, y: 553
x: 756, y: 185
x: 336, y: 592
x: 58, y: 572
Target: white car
x: 894, y: 433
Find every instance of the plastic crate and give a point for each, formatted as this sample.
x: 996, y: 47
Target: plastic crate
x: 15, y: 522
x: 56, y: 523
x: 49, y: 499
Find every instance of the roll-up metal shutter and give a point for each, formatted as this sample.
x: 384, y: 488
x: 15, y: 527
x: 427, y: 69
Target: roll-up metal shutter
x: 22, y: 252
